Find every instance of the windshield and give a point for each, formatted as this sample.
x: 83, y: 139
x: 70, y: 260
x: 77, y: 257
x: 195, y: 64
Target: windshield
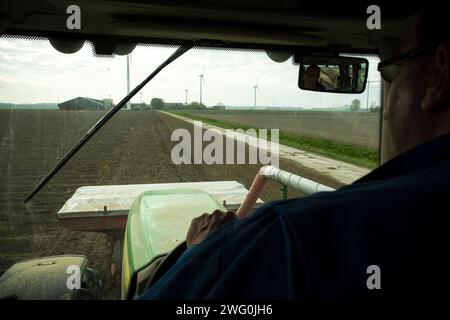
x: 48, y: 100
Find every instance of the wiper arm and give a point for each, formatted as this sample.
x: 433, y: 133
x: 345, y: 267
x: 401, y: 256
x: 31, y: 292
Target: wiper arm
x: 179, y: 52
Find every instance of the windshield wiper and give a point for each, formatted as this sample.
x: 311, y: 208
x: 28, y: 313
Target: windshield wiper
x: 179, y: 52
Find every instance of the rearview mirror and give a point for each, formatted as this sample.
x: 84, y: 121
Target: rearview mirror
x: 333, y: 74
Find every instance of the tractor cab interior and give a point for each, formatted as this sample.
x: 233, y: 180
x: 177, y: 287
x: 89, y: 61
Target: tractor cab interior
x: 335, y: 38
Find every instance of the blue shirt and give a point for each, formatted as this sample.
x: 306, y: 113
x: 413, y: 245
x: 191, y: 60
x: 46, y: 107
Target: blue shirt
x: 319, y: 247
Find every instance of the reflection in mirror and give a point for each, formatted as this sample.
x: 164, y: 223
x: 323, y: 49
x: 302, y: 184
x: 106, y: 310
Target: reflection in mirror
x: 333, y: 74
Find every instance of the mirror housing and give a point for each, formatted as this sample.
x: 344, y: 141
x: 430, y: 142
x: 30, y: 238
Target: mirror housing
x: 334, y: 74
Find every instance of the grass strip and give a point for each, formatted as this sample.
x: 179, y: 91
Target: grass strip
x: 361, y: 156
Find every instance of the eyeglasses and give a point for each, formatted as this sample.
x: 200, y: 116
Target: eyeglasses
x: 389, y: 67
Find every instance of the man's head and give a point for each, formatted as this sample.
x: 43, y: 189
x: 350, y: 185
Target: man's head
x: 311, y: 77
x: 418, y: 105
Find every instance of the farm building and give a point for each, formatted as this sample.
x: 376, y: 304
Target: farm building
x: 82, y: 103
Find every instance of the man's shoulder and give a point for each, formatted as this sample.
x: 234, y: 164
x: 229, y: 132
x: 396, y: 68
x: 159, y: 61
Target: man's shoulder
x: 389, y: 194
x: 398, y: 223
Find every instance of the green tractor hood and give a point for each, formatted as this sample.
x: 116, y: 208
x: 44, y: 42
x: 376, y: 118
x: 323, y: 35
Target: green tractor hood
x: 157, y: 222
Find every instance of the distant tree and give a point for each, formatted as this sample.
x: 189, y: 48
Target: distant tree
x: 218, y: 106
x: 374, y: 109
x: 157, y: 103
x: 356, y: 103
x: 109, y: 103
x: 196, y: 106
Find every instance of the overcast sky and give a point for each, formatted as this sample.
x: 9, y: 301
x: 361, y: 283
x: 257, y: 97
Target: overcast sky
x: 33, y: 72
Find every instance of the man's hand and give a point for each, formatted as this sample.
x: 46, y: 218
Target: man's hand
x: 206, y: 224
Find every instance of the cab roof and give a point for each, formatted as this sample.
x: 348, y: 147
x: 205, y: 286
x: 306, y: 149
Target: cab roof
x: 236, y: 23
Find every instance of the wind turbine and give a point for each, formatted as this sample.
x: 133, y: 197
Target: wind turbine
x: 202, y: 80
x: 255, y: 87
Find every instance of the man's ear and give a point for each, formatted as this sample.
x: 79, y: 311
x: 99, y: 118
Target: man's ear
x: 437, y: 93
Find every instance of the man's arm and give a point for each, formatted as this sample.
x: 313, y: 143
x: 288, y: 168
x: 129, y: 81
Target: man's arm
x: 243, y: 259
x: 201, y: 227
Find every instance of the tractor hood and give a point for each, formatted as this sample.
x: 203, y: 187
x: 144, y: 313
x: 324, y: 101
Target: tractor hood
x: 158, y: 221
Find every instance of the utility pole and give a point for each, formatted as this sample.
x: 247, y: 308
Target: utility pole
x: 186, y: 90
x: 107, y: 80
x: 255, y: 87
x: 128, y: 80
x: 368, y: 91
x: 201, y: 81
